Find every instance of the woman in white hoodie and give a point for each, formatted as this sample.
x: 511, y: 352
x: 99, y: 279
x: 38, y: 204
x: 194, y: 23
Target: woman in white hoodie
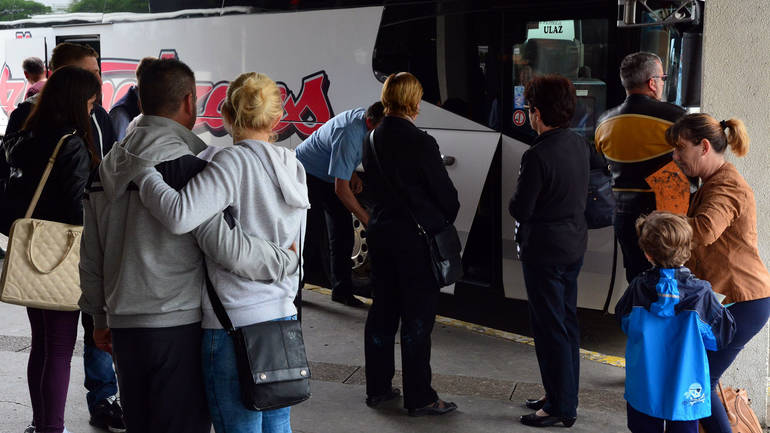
x: 264, y: 187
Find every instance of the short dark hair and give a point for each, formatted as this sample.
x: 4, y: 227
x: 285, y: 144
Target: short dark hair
x: 163, y: 86
x: 375, y: 113
x: 554, y: 95
x: 33, y: 66
x: 146, y: 61
x: 67, y: 53
x: 637, y: 68
x: 665, y: 237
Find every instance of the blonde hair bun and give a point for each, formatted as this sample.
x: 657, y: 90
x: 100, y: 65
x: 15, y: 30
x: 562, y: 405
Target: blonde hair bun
x: 254, y: 102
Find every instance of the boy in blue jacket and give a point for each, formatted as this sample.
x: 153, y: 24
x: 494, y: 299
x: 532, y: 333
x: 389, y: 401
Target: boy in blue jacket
x: 671, y: 318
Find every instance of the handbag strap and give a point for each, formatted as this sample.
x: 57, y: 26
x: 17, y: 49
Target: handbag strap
x: 722, y: 396
x: 46, y: 173
x: 216, y: 303
x: 392, y: 189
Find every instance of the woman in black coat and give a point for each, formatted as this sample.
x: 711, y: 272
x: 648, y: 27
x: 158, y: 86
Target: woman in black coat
x: 405, y: 174
x: 62, y: 108
x: 549, y: 206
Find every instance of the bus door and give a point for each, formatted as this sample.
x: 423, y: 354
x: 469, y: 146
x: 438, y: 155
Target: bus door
x: 578, y: 50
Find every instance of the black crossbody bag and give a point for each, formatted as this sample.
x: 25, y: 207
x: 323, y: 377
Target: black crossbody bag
x: 272, y: 365
x: 444, y: 246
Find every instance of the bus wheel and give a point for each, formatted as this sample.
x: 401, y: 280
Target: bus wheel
x: 360, y: 259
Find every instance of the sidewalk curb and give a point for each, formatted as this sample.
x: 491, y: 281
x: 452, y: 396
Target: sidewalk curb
x: 615, y: 361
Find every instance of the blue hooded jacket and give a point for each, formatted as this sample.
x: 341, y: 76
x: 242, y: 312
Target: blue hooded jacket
x: 671, y: 319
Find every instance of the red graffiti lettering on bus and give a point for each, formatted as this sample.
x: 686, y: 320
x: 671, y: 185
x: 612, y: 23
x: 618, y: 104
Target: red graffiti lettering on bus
x: 11, y: 90
x: 303, y: 113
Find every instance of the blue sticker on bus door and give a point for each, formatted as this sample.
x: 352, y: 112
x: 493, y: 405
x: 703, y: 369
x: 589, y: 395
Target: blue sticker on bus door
x: 518, y: 97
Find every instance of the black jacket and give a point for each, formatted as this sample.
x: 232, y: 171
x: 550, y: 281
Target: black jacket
x: 413, y: 167
x: 124, y: 111
x: 101, y: 125
x: 28, y: 155
x: 550, y: 199
x: 632, y: 136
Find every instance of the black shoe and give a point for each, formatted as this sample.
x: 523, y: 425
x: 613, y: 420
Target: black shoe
x: 434, y: 409
x: 373, y: 401
x: 108, y: 415
x: 535, y: 404
x: 534, y: 420
x: 349, y: 300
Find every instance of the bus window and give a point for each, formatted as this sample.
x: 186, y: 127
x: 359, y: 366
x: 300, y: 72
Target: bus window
x: 455, y: 57
x: 576, y: 49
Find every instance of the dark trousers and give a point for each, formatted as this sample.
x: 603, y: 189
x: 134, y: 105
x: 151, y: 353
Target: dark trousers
x: 339, y: 229
x: 629, y: 206
x: 633, y: 258
x: 406, y: 292
x: 552, y: 293
x: 100, y: 375
x: 48, y: 369
x: 750, y: 317
x: 161, y: 379
x: 642, y: 423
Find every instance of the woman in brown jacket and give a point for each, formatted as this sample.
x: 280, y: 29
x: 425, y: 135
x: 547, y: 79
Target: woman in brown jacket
x: 723, y: 216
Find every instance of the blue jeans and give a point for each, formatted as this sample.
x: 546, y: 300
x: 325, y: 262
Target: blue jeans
x: 750, y: 317
x: 223, y: 391
x: 100, y: 375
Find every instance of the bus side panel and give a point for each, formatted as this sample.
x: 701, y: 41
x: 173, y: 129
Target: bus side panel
x: 594, y: 279
x: 321, y: 60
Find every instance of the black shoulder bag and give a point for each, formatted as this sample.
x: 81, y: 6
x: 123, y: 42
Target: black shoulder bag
x: 272, y: 366
x: 444, y: 246
x: 600, y: 206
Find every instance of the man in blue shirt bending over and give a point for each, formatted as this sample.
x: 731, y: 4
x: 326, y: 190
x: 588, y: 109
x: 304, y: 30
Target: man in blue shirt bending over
x: 330, y: 157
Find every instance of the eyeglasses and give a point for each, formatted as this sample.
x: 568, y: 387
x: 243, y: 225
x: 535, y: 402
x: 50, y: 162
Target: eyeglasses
x: 529, y: 108
x: 663, y: 77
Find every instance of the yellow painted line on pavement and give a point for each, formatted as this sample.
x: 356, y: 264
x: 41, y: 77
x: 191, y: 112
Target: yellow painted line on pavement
x: 616, y: 361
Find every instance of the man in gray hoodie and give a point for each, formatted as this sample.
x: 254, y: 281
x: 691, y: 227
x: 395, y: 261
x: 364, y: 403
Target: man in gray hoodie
x: 142, y: 283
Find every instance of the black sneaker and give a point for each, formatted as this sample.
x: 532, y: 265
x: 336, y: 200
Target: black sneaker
x: 108, y: 415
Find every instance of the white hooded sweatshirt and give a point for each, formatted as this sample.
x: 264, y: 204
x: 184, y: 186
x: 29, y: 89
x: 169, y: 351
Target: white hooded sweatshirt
x: 265, y: 189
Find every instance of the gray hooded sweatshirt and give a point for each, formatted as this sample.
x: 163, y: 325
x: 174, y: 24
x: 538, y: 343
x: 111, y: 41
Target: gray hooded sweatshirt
x: 264, y: 187
x: 135, y: 273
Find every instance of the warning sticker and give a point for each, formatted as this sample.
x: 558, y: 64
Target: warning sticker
x: 519, y: 118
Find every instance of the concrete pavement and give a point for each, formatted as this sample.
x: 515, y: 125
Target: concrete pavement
x: 487, y: 377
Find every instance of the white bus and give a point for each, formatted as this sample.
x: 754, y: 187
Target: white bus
x: 472, y: 57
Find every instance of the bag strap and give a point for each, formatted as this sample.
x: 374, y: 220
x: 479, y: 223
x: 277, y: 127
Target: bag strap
x: 722, y: 396
x: 216, y: 303
x: 370, y: 138
x: 46, y: 173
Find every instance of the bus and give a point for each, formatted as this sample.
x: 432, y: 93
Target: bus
x: 472, y: 57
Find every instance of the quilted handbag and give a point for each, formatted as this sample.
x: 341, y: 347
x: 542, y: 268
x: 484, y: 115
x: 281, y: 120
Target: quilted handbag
x: 41, y: 262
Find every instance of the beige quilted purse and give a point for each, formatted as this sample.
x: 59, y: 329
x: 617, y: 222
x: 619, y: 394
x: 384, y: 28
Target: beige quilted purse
x: 41, y: 263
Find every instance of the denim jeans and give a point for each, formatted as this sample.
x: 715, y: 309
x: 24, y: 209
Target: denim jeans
x: 750, y: 317
x: 100, y: 378
x: 223, y: 390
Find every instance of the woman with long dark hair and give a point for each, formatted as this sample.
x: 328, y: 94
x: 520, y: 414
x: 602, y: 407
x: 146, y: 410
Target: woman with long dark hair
x: 62, y: 108
x: 723, y: 216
